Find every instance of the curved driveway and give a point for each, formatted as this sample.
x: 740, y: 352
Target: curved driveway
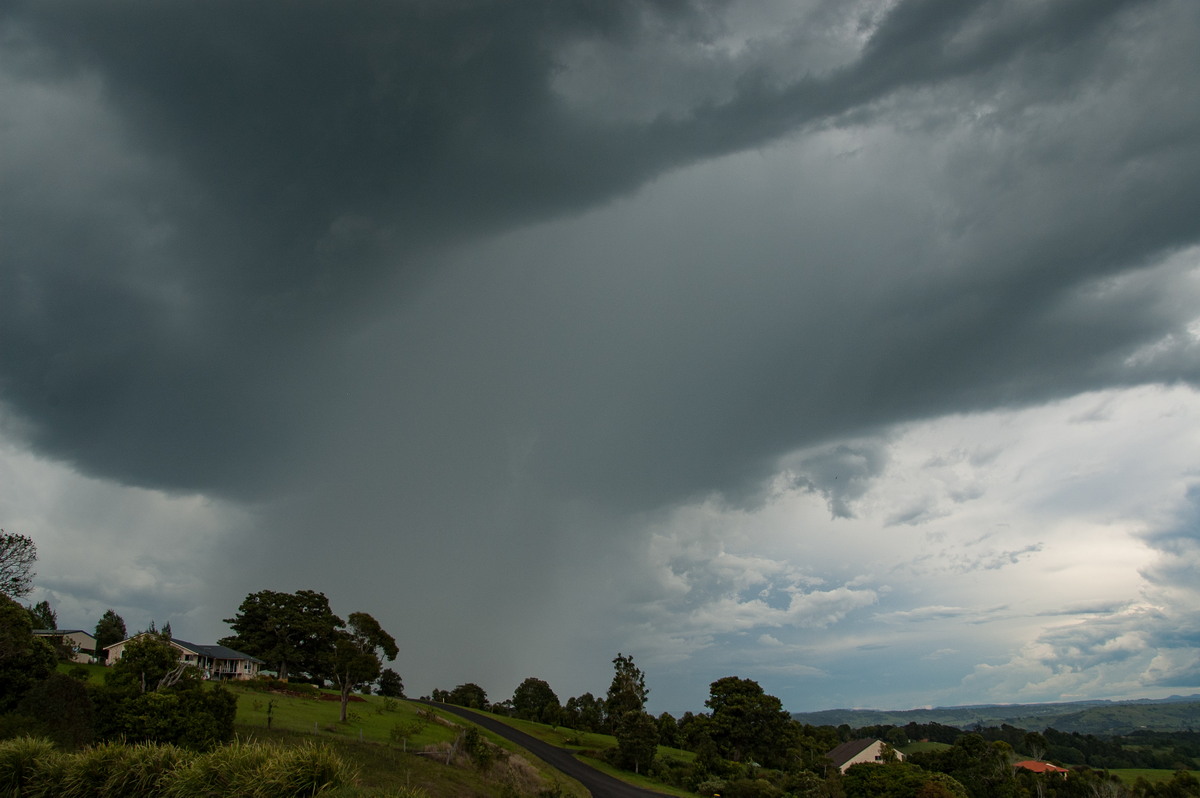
x: 601, y: 785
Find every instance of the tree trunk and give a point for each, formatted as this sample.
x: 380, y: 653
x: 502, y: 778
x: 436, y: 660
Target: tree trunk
x: 345, y: 699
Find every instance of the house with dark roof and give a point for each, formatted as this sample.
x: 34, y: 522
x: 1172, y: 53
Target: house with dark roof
x: 213, y: 661
x: 867, y: 749
x: 80, y: 644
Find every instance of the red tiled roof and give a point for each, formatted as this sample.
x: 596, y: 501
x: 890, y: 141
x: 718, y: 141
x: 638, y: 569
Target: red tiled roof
x: 1040, y: 767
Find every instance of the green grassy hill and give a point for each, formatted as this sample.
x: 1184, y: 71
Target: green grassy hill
x: 397, y: 745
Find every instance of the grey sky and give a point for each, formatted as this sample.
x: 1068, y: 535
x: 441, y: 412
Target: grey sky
x: 720, y: 333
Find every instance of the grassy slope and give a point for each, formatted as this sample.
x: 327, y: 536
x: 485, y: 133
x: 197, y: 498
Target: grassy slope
x: 391, y: 744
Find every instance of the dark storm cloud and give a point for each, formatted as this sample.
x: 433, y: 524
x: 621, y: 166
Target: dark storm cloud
x: 290, y: 159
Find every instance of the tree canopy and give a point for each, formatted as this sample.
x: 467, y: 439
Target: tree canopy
x: 746, y: 723
x: 534, y: 700
x: 17, y: 556
x: 109, y: 629
x: 291, y: 632
x: 24, y: 659
x: 627, y: 692
x: 356, y: 654
x: 43, y: 616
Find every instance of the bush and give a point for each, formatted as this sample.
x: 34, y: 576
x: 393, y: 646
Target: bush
x: 62, y: 708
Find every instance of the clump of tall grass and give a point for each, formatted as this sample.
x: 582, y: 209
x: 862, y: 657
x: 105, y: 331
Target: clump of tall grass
x: 147, y: 770
x: 85, y: 772
x: 302, y: 772
x: 20, y: 759
x: 230, y: 770
x: 33, y: 768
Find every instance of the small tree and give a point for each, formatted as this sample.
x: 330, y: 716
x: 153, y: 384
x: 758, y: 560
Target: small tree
x: 17, y: 556
x: 110, y: 629
x: 356, y: 653
x: 149, y: 664
x: 390, y: 684
x: 628, y: 691
x: 43, y: 616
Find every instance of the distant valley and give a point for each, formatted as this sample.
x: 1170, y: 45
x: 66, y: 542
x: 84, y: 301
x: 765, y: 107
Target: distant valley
x: 1177, y: 713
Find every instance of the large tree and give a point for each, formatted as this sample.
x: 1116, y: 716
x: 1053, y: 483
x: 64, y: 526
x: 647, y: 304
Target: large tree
x: 291, y: 632
x: 534, y: 700
x: 17, y: 556
x: 747, y: 724
x: 109, y: 629
x: 356, y: 654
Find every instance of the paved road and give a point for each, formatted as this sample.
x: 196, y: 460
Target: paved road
x: 601, y: 785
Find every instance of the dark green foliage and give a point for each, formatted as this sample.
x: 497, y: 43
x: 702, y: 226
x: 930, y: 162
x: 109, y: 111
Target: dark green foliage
x: 356, y: 652
x: 747, y: 724
x: 478, y: 750
x: 110, y: 629
x: 469, y: 695
x: 289, y: 631
x: 534, y: 700
x: 390, y: 684
x: 188, y: 715
x: 43, y: 616
x: 628, y: 691
x: 668, y: 730
x: 24, y: 659
x: 984, y: 768
x: 62, y: 709
x: 17, y: 556
x: 637, y: 741
x: 148, y: 663
x: 898, y: 780
x: 585, y: 713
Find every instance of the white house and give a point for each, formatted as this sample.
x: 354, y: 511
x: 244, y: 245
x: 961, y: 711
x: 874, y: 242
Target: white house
x: 856, y: 752
x: 81, y: 644
x: 213, y: 661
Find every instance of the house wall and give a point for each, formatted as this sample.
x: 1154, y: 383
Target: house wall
x: 872, y: 753
x: 83, y: 643
x: 209, y: 667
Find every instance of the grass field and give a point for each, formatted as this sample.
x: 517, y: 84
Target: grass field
x: 1130, y: 775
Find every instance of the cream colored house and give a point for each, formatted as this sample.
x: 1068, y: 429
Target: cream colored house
x: 213, y: 661
x: 81, y: 644
x: 857, y: 752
